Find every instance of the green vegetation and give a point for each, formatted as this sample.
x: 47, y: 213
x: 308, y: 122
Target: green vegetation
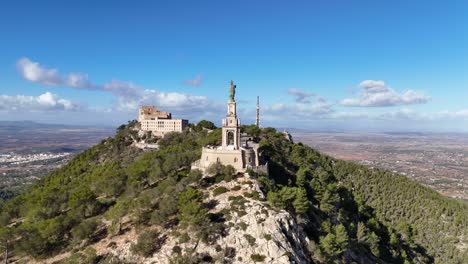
x: 110, y: 180
x: 204, y: 124
x: 148, y: 243
x: 236, y: 188
x: 243, y: 225
x: 257, y: 258
x: 5, y: 195
x: 349, y: 207
x: 251, y: 130
x: 191, y: 210
x: 86, y: 256
x: 84, y: 230
x: 218, y: 169
x: 219, y: 190
x: 350, y: 213
x: 252, y: 195
x: 250, y: 239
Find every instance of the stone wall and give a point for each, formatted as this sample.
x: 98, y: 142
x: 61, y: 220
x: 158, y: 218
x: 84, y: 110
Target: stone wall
x: 225, y: 157
x: 240, y: 159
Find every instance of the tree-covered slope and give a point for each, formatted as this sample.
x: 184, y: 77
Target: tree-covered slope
x: 378, y: 209
x: 438, y: 223
x: 347, y: 212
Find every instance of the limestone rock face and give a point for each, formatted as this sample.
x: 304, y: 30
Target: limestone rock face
x: 254, y: 230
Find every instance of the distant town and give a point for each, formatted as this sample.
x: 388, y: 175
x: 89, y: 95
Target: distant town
x: 17, y: 159
x: 31, y: 150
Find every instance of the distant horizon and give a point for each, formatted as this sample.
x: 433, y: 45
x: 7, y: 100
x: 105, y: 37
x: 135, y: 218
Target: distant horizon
x: 278, y: 128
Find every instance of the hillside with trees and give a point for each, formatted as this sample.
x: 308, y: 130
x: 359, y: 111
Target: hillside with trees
x: 115, y: 203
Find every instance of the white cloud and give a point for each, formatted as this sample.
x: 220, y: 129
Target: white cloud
x: 301, y: 96
x: 309, y: 110
x: 168, y: 100
x: 44, y: 102
x: 34, y: 72
x: 371, y: 83
x: 128, y: 96
x: 378, y: 94
x: 195, y: 81
x: 303, y: 112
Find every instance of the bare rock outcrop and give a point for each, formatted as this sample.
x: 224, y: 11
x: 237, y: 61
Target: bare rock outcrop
x: 254, y: 230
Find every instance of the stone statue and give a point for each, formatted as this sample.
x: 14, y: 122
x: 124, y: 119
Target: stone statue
x: 232, y: 91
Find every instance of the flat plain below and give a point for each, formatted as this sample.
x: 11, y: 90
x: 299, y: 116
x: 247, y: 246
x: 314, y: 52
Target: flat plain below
x: 436, y: 160
x: 30, y: 150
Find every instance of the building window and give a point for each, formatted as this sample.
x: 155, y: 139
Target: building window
x: 230, y: 138
x: 217, y: 159
x: 235, y: 159
x: 206, y: 157
x: 250, y: 159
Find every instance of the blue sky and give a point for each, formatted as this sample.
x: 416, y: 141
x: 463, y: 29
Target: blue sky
x: 346, y: 65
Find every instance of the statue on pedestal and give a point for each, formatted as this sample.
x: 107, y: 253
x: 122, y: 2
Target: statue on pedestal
x: 232, y: 91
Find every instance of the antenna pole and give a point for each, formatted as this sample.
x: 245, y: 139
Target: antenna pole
x: 257, y: 120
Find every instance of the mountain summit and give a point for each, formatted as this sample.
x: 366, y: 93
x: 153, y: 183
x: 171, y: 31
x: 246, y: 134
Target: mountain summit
x: 117, y: 203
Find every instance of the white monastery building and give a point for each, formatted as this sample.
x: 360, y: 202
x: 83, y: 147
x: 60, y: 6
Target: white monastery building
x: 159, y: 123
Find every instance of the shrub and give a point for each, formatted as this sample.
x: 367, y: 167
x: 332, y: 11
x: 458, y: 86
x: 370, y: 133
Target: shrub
x: 228, y: 178
x: 215, y: 169
x: 219, y: 190
x: 229, y: 252
x: 249, y: 182
x: 181, y: 258
x: 195, y: 175
x: 257, y: 257
x: 114, y: 228
x: 184, y: 238
x: 252, y: 194
x: 229, y: 170
x: 241, y: 213
x: 209, y: 232
x: 112, y: 245
x: 243, y: 225
x: 250, y: 172
x: 236, y: 188
x: 204, y: 124
x: 84, y: 230
x: 176, y: 250
x: 218, y: 248
x: 237, y: 201
x: 166, y: 208
x: 86, y: 256
x: 148, y: 243
x: 267, y: 237
x: 250, y: 239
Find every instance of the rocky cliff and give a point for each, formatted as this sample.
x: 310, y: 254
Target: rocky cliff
x: 254, y: 232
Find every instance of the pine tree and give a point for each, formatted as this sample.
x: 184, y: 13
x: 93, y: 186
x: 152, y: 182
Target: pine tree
x: 341, y: 237
x: 301, y: 203
x: 190, y: 206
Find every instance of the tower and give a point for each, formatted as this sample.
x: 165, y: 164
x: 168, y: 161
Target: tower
x: 231, y: 124
x: 257, y: 119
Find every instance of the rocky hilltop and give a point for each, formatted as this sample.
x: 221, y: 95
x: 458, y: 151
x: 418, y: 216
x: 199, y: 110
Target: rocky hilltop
x: 117, y: 203
x: 253, y: 232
